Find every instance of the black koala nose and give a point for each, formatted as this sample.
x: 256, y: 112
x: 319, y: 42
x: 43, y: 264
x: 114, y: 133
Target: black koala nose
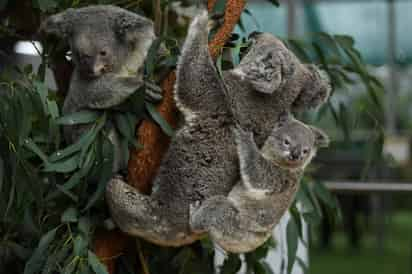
x: 294, y: 155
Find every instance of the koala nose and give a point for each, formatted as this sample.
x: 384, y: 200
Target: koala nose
x: 295, y: 154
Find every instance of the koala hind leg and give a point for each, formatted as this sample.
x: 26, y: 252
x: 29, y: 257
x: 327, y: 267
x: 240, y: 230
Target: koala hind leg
x: 227, y: 227
x: 135, y: 213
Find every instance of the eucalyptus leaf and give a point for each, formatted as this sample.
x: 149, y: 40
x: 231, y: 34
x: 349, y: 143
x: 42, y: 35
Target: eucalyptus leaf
x: 46, y: 5
x: 106, y: 173
x: 231, y: 265
x: 80, y: 246
x: 274, y: 2
x: 81, y: 117
x: 34, y: 264
x: 32, y: 146
x: 159, y: 119
x: 63, y: 166
x: 292, y: 236
x: 70, y: 215
x: 95, y: 263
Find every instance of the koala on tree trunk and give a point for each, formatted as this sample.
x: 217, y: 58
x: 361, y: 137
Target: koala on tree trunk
x: 108, y: 48
x: 202, y: 167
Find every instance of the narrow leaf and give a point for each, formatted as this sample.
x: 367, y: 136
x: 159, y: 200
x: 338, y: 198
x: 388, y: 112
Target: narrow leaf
x: 95, y: 263
x: 159, y: 119
x: 292, y: 236
x: 81, y: 117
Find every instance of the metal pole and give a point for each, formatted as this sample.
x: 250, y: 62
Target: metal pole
x: 291, y: 24
x: 391, y: 95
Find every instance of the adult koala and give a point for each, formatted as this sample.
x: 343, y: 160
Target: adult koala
x: 108, y: 46
x: 202, y: 161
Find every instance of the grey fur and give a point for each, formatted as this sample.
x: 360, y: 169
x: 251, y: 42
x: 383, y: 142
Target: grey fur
x: 109, y: 46
x: 201, y: 168
x: 244, y: 219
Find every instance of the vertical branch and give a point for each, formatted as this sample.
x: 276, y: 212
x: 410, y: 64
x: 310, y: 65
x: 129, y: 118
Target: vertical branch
x: 157, y: 11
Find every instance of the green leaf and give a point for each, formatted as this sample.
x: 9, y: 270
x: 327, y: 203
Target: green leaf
x: 79, y: 246
x: 106, y: 173
x: 231, y: 265
x: 84, y: 226
x: 329, y: 42
x: 63, y: 166
x: 70, y: 215
x: 298, y: 47
x: 65, y: 188
x: 159, y: 119
x: 95, y: 263
x: 46, y: 5
x: 303, y: 265
x: 258, y: 268
x: 345, y: 41
x: 219, y: 7
x: 292, y: 237
x: 274, y: 2
x: 81, y: 117
x: 267, y: 268
x: 150, y: 62
x: 38, y: 257
x: 30, y: 145
x: 324, y: 194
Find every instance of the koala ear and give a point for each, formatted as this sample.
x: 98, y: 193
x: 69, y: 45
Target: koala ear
x: 59, y: 25
x: 321, y: 138
x: 132, y: 27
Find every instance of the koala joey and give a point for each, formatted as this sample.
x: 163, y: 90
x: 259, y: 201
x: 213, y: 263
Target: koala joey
x: 108, y: 46
x: 202, y: 163
x: 244, y: 219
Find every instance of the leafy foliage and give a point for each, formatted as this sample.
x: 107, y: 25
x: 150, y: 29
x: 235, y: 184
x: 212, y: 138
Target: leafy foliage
x: 51, y: 192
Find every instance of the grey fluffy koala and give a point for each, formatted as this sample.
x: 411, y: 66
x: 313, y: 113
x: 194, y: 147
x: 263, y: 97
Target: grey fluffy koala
x: 201, y: 166
x: 244, y: 219
x: 108, y: 46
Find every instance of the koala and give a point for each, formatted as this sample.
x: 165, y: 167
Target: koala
x: 244, y: 219
x: 202, y: 162
x: 270, y: 80
x: 108, y: 48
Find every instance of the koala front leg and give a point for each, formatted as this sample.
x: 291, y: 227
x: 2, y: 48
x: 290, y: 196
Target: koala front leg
x: 233, y: 231
x: 199, y: 89
x: 259, y: 176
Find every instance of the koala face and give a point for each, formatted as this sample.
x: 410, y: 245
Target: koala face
x: 293, y: 144
x: 93, y: 54
x: 102, y: 38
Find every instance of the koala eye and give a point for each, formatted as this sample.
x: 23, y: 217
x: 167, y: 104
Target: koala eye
x: 305, y: 151
x: 286, y: 142
x: 103, y: 53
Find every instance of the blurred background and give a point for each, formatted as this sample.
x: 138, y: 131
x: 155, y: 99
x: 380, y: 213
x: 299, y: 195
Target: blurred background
x: 369, y: 164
